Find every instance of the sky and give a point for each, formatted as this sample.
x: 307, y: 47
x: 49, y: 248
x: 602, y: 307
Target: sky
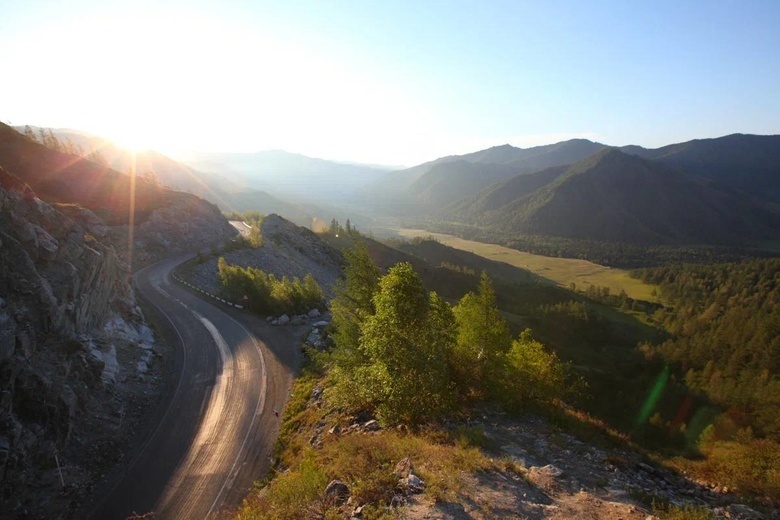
x: 390, y: 82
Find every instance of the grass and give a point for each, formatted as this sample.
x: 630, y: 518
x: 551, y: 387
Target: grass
x: 560, y: 271
x: 364, y: 461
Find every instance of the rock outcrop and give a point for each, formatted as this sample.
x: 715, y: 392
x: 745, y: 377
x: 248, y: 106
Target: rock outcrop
x: 187, y: 223
x: 60, y: 285
x: 287, y: 250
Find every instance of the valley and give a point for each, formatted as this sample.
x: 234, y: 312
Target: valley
x: 605, y: 337
x: 389, y: 260
x: 560, y: 271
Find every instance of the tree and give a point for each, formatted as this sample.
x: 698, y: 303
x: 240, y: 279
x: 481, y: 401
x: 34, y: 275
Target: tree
x: 30, y: 134
x: 483, y: 341
x: 352, y: 305
x: 408, y: 342
x: 532, y: 375
x: 348, y: 228
x: 353, y: 302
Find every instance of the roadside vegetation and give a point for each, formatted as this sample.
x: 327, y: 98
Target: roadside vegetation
x: 265, y: 294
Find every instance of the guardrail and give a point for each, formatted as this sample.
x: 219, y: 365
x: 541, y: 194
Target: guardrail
x: 196, y: 288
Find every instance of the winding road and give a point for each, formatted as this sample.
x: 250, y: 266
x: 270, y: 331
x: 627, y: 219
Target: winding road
x: 215, y: 434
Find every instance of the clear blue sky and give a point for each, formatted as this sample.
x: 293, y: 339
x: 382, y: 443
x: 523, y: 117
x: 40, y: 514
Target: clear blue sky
x: 391, y: 82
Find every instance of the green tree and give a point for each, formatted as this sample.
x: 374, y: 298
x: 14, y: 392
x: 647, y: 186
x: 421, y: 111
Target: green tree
x: 408, y: 342
x: 352, y: 305
x: 354, y: 295
x: 532, y: 375
x: 483, y: 341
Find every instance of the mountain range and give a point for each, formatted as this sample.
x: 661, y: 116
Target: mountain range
x: 616, y: 197
x: 291, y: 175
x: 706, y: 191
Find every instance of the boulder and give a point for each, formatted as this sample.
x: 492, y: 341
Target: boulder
x: 314, y: 313
x: 412, y: 484
x: 320, y: 324
x: 337, y: 492
x: 743, y: 512
x: 283, y: 319
x: 372, y: 426
x: 404, y: 468
x: 553, y: 471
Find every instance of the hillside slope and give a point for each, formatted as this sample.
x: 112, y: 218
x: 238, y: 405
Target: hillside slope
x: 613, y: 196
x: 162, y: 219
x: 230, y: 194
x: 750, y: 163
x: 77, y: 368
x: 447, y: 179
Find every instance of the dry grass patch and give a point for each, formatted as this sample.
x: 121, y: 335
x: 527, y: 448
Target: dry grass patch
x: 363, y: 460
x: 561, y: 271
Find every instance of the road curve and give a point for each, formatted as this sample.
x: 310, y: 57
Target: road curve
x: 215, y: 434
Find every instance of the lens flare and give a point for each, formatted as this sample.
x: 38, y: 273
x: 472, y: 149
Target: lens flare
x: 652, y: 399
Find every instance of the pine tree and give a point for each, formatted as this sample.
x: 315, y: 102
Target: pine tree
x: 352, y: 305
x: 29, y: 134
x: 483, y: 341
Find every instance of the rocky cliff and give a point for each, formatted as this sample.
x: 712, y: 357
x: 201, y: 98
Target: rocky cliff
x: 67, y: 322
x: 186, y: 223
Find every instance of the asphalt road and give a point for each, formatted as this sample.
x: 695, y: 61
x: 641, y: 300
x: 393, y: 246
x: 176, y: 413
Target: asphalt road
x: 215, y: 435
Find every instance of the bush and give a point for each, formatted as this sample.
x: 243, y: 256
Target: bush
x: 264, y: 293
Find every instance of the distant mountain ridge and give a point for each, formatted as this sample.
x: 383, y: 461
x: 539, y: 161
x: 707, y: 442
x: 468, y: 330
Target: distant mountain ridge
x: 445, y: 180
x: 748, y: 163
x: 288, y: 174
x: 229, y: 194
x: 616, y: 197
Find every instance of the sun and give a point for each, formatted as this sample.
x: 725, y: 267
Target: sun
x: 132, y: 138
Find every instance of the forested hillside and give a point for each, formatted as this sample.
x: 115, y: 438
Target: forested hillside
x: 615, y: 197
x: 725, y: 328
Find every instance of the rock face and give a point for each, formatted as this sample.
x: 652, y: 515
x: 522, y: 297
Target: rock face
x: 287, y: 250
x: 60, y: 284
x: 187, y: 223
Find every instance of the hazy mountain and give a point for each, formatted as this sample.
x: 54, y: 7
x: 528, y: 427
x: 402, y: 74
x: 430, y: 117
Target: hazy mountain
x: 168, y: 171
x: 64, y: 178
x: 225, y: 190
x: 288, y: 174
x: 446, y: 182
x: 502, y: 193
x: 750, y: 163
x: 442, y: 181
x: 613, y: 196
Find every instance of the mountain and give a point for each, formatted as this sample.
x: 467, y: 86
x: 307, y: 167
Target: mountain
x: 168, y: 171
x: 446, y: 182
x: 431, y: 185
x: 163, y: 219
x: 500, y: 194
x: 287, y: 174
x: 614, y: 196
x: 228, y: 193
x: 749, y: 163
